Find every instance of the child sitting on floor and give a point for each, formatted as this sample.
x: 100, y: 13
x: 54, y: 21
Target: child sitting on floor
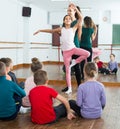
x: 102, y: 68
x: 41, y: 98
x: 91, y: 98
x: 112, y: 64
x: 9, y: 104
x: 29, y: 82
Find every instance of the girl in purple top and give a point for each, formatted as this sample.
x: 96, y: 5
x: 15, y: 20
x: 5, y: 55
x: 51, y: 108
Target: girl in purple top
x: 91, y: 98
x: 112, y: 64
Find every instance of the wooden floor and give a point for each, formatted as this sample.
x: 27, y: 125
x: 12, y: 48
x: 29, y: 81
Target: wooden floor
x: 57, y: 76
x: 110, y: 118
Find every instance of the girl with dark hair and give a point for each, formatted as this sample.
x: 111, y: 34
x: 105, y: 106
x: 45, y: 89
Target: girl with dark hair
x: 67, y: 44
x: 76, y: 68
x: 89, y: 31
x: 29, y: 83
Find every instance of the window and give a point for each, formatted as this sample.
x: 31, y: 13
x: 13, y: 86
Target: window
x: 116, y: 34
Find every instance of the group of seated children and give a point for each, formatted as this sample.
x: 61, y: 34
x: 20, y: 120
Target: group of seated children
x: 39, y: 96
x: 111, y: 68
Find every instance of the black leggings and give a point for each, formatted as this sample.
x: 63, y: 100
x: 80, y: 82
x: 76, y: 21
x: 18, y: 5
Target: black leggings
x: 75, y: 107
x: 60, y: 112
x: 89, y: 59
x: 77, y: 70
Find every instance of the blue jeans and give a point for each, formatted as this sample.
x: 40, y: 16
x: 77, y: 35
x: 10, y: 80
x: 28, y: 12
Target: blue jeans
x: 77, y: 70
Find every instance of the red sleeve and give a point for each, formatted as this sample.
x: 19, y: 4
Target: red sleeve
x: 53, y: 92
x: 99, y: 64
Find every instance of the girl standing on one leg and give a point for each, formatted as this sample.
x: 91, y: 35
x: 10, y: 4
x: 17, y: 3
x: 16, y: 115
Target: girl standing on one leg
x: 68, y: 46
x: 72, y: 12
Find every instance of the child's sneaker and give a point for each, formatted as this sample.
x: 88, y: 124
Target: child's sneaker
x: 73, y: 63
x: 65, y: 89
x: 104, y: 73
x: 24, y: 109
x: 69, y: 91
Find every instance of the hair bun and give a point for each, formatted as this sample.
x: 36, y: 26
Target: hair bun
x: 35, y: 60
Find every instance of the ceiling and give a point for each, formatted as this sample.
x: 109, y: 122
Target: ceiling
x: 61, y: 5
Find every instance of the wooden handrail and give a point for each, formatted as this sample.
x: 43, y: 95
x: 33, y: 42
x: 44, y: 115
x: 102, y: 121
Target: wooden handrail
x: 1, y: 42
x: 11, y: 47
x: 41, y: 43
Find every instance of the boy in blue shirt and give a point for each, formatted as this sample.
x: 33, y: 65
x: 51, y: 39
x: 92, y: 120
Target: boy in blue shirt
x: 8, y: 106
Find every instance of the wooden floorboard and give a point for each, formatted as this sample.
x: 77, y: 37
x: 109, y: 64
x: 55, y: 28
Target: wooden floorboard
x: 110, y: 118
x: 57, y: 76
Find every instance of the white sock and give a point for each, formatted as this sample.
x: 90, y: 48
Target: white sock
x: 73, y: 63
x: 69, y: 90
x: 24, y: 109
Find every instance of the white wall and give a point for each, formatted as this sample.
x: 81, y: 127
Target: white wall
x: 56, y: 18
x: 16, y: 28
x: 10, y: 22
x: 115, y: 17
x: 38, y: 20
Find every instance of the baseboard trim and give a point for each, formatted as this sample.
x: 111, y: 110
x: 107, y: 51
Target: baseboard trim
x: 26, y: 65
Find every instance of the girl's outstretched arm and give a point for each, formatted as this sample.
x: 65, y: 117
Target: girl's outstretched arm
x: 57, y: 30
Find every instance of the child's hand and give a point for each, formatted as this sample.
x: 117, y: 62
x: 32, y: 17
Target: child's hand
x: 36, y: 32
x: 71, y: 115
x: 71, y: 5
x: 104, y: 66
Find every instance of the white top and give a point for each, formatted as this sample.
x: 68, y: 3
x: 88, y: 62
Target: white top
x: 29, y: 84
x: 67, y: 39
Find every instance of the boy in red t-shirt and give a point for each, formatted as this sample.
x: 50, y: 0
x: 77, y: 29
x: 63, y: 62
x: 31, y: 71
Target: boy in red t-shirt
x: 41, y: 98
x: 102, y: 68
